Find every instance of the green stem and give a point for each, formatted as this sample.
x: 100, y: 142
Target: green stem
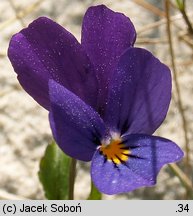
x: 188, y: 23
x: 186, y: 182
x: 72, y: 177
x: 178, y: 90
x: 186, y: 19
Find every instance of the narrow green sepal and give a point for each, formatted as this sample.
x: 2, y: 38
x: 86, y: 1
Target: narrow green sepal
x: 94, y: 193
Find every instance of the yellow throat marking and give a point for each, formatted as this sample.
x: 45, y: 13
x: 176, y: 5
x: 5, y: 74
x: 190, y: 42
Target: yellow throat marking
x: 115, y: 151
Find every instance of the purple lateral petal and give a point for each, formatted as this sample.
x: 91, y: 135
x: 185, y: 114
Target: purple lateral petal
x: 105, y: 35
x: 76, y: 127
x: 46, y: 50
x: 139, y: 94
x: 147, y: 155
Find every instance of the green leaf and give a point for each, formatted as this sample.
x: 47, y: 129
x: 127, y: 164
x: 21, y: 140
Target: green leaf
x: 54, y: 173
x: 94, y: 193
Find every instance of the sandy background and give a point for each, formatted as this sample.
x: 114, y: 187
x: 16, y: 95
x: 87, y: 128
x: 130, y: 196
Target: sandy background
x: 24, y: 128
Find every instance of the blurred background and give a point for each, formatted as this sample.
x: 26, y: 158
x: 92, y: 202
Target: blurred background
x: 24, y: 128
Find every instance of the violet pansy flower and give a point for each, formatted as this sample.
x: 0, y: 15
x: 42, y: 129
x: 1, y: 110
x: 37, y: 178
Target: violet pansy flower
x: 105, y: 98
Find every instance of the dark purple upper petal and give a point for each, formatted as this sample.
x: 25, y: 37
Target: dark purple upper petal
x: 147, y: 155
x: 76, y: 127
x: 139, y: 94
x: 105, y: 35
x: 46, y: 50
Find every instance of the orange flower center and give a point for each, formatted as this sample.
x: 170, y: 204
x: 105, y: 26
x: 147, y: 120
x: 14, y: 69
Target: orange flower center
x: 115, y: 151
